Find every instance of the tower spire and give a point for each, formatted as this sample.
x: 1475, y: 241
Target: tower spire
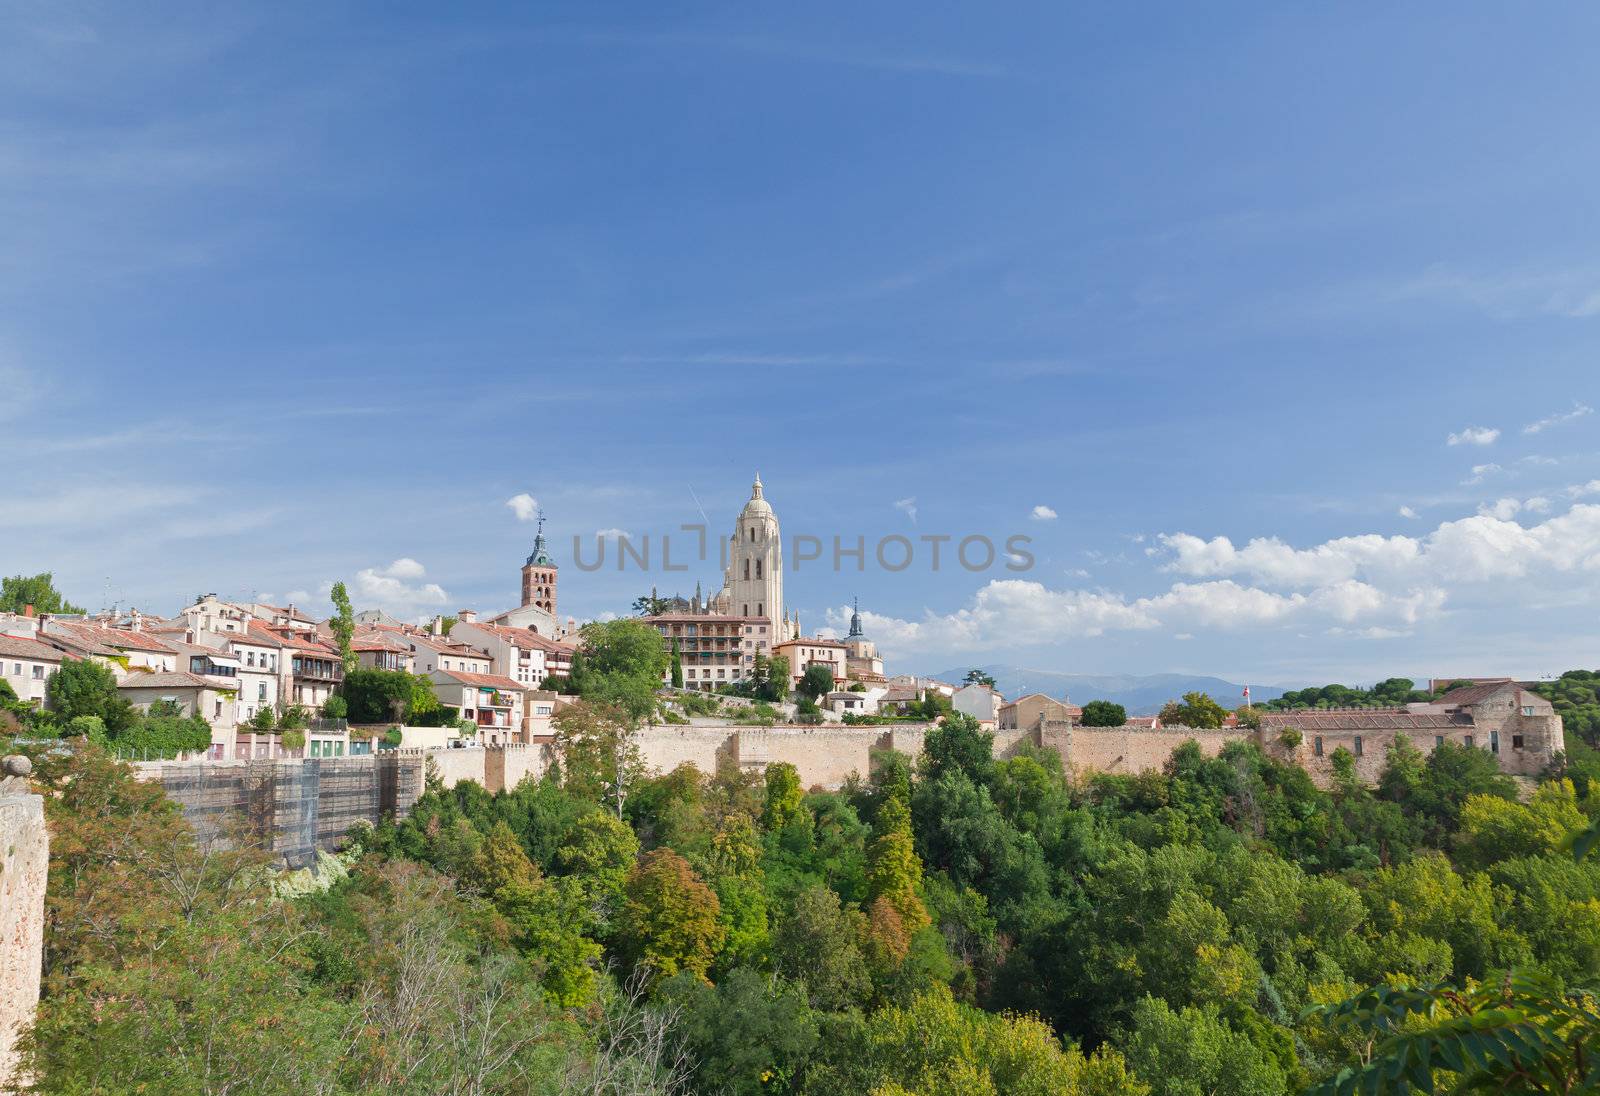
x: 755, y: 488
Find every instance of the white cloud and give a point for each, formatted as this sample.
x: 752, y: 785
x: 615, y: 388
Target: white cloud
x: 397, y: 589
x: 525, y: 506
x: 1538, y: 504
x: 1407, y: 512
x: 1474, y: 435
x: 612, y: 534
x: 1580, y: 490
x: 1479, y: 473
x: 907, y: 507
x: 1578, y: 411
x: 1043, y: 513
x: 1486, y: 546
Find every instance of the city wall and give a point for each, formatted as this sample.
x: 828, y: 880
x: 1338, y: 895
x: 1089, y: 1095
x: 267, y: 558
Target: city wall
x: 23, y: 873
x: 295, y: 807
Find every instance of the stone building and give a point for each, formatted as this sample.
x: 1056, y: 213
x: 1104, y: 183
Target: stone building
x: 540, y: 577
x: 1519, y: 727
x: 1030, y: 712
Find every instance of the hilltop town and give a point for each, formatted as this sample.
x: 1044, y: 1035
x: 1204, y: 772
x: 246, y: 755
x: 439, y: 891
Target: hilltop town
x: 260, y: 681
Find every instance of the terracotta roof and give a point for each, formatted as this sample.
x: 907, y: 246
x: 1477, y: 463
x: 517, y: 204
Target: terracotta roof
x: 120, y: 639
x: 19, y: 647
x: 1364, y: 719
x: 377, y: 641
x: 1475, y: 694
x: 1143, y: 722
x: 492, y: 681
x: 259, y: 635
x: 304, y: 641
x: 176, y: 680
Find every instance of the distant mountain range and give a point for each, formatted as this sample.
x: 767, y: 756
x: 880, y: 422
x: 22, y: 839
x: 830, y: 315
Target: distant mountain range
x: 1141, y: 694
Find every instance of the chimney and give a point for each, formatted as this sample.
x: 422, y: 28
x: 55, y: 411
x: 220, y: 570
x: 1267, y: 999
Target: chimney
x: 27, y: 610
x: 467, y: 616
x: 436, y: 627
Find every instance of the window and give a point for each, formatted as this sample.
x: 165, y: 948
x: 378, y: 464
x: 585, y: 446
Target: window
x: 1316, y: 745
x: 1527, y: 709
x: 1358, y: 745
x: 761, y: 608
x: 16, y: 669
x: 746, y: 568
x: 1494, y: 742
x: 1438, y: 740
x: 38, y: 672
x: 758, y: 568
x: 1467, y: 741
x: 1516, y: 742
x: 261, y: 691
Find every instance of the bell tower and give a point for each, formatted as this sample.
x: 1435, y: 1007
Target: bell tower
x: 539, y: 575
x: 754, y: 584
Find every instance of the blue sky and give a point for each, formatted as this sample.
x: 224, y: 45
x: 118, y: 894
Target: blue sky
x: 292, y: 293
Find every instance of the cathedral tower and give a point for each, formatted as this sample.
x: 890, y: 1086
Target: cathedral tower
x: 539, y: 576
x: 753, y: 585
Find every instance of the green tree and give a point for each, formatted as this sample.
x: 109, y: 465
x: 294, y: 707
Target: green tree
x: 817, y: 681
x: 620, y: 663
x: 677, y: 665
x: 86, y: 687
x: 1193, y: 1052
x: 748, y: 1036
x: 979, y: 677
x: 649, y: 605
x: 816, y: 945
x: 1104, y: 713
x: 20, y: 591
x: 343, y: 623
x: 1197, y: 710
x: 784, y: 796
x: 600, y: 758
x: 669, y: 918
x: 894, y: 872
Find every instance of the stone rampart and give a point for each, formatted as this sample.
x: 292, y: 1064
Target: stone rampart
x: 1133, y: 750
x: 23, y: 873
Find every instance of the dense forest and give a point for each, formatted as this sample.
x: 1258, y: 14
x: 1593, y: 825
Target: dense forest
x: 970, y: 924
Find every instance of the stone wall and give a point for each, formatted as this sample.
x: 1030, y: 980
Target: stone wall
x: 1125, y: 750
x: 23, y: 872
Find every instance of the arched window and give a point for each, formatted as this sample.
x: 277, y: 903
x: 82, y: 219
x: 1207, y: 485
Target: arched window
x: 761, y: 609
x: 747, y: 568
x: 758, y: 568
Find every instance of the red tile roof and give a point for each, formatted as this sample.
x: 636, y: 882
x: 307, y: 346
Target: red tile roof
x: 120, y: 639
x: 492, y: 681
x: 20, y: 647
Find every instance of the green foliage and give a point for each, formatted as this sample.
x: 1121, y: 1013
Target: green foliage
x: 620, y: 663
x: 1197, y: 710
x: 335, y: 707
x: 817, y: 681
x: 677, y: 666
x: 17, y: 592
x: 1518, y: 1033
x: 1575, y: 696
x: 979, y: 677
x: 343, y: 623
x: 1104, y: 713
x: 86, y: 687
x: 1392, y: 692
x: 748, y: 1036
x: 386, y: 696
x: 784, y: 796
x: 1193, y: 1052
x: 164, y: 736
x: 668, y: 922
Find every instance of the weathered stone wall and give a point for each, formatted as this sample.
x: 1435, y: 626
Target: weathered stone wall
x: 1124, y: 750
x: 23, y: 872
